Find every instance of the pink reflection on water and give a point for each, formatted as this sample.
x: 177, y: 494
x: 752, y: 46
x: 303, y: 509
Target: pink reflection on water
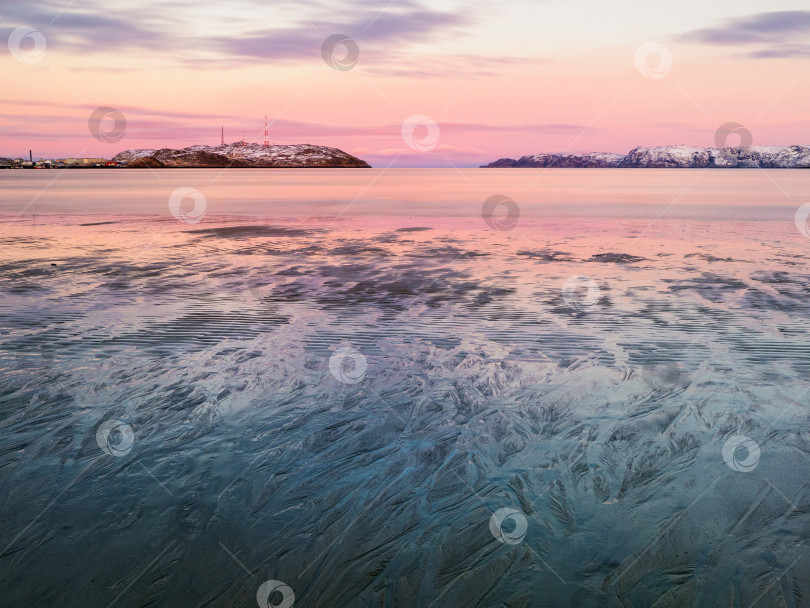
x: 298, y: 193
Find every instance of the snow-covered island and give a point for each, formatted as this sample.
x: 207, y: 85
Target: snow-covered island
x: 684, y: 157
x: 240, y: 155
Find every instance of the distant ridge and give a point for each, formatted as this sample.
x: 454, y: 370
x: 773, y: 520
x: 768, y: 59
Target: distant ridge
x: 679, y: 157
x: 240, y: 155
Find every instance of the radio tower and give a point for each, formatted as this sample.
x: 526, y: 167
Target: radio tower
x: 266, y: 140
x: 222, y: 140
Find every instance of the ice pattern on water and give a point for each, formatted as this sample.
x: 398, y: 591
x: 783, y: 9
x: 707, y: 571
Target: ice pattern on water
x: 484, y: 388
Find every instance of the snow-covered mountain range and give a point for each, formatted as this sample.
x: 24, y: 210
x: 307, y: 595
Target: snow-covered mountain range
x: 687, y: 157
x: 240, y: 155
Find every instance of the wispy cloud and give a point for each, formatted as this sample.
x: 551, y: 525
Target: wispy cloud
x: 763, y: 35
x: 291, y: 33
x: 387, y: 33
x: 391, y: 36
x: 147, y: 123
x: 85, y: 26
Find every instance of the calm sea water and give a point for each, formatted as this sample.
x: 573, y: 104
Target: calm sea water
x: 353, y: 384
x: 297, y: 193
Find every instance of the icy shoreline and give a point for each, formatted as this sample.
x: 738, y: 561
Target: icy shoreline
x: 682, y: 157
x: 476, y: 382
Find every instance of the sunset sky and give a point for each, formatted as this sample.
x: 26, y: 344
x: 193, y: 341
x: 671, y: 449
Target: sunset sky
x: 498, y: 79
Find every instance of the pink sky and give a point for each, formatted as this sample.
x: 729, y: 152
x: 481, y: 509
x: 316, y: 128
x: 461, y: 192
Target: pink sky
x: 534, y: 77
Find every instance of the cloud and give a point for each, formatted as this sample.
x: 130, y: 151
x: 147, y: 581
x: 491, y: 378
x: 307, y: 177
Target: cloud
x: 773, y: 34
x: 389, y: 32
x: 782, y: 51
x: 150, y: 123
x: 91, y: 27
x: 207, y: 36
x: 247, y: 30
x: 409, y: 65
x: 65, y: 126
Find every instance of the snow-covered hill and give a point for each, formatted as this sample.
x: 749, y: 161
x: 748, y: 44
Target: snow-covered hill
x: 241, y: 155
x: 590, y: 159
x: 687, y: 157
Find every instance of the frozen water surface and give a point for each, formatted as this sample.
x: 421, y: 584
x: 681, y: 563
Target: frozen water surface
x: 384, y: 410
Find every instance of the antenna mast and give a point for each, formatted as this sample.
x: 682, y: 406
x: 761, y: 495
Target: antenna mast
x: 266, y: 140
